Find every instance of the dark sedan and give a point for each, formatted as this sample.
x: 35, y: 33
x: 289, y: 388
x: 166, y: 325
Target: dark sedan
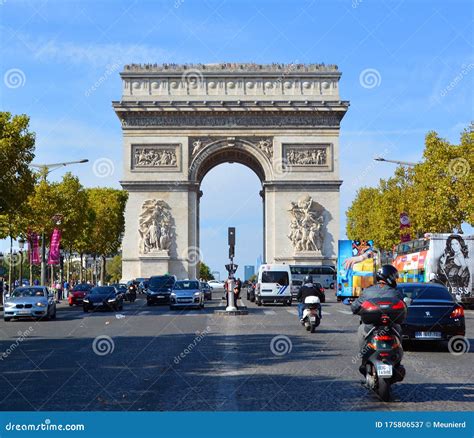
x: 103, y: 297
x: 207, y: 290
x: 159, y: 289
x: 433, y: 314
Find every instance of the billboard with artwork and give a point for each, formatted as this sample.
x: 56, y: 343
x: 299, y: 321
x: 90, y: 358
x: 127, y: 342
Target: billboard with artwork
x: 355, y: 267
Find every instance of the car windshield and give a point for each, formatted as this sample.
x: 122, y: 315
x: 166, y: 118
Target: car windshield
x: 103, y: 290
x: 186, y: 285
x: 160, y: 282
x: 426, y: 292
x: 28, y: 292
x: 280, y: 277
x: 82, y: 287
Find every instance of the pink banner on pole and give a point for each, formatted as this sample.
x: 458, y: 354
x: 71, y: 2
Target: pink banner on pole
x: 33, y: 244
x: 54, y: 254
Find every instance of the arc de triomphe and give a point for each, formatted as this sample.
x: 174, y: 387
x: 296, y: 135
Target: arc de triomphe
x: 179, y: 121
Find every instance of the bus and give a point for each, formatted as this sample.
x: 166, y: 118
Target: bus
x: 444, y: 258
x: 324, y: 274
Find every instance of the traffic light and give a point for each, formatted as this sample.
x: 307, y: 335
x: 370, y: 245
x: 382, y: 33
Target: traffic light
x: 231, y: 251
x: 231, y: 236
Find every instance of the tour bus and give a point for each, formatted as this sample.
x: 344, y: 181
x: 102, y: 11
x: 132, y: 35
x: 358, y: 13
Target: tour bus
x: 445, y: 258
x: 273, y: 284
x: 324, y: 274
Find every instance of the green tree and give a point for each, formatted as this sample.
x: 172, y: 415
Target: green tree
x: 114, y: 269
x: 17, y: 145
x: 205, y: 272
x: 108, y: 206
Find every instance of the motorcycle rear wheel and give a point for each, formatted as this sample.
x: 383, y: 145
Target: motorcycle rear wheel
x: 383, y: 389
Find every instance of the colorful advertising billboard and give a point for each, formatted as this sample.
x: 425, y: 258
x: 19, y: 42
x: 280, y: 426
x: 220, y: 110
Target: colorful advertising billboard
x: 355, y: 267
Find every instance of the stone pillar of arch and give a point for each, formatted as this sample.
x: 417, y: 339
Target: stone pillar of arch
x: 180, y: 121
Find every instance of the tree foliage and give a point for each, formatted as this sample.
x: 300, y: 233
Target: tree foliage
x: 436, y: 194
x: 205, y: 272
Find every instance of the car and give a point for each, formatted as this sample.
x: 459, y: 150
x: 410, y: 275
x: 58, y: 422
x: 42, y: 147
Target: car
x: 217, y: 286
x: 29, y: 302
x: 122, y: 289
x: 251, y: 292
x: 142, y: 285
x: 159, y: 289
x: 321, y: 292
x: 187, y: 293
x: 77, y: 293
x: 207, y: 290
x: 103, y: 297
x: 433, y: 313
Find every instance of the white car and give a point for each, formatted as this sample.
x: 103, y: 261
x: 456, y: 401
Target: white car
x: 217, y: 286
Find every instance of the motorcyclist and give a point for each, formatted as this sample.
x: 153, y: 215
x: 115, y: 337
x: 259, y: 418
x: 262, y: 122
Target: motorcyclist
x: 306, y: 290
x: 386, y: 287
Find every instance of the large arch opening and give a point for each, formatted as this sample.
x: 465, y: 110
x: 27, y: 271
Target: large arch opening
x: 241, y: 182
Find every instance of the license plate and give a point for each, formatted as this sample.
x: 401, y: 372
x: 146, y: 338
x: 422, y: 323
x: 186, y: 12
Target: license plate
x: 384, y: 370
x: 312, y: 318
x: 160, y: 296
x: 24, y: 312
x: 428, y: 335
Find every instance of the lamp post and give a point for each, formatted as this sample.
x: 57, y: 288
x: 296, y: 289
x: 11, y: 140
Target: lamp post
x: 21, y: 245
x: 402, y: 163
x: 45, y: 170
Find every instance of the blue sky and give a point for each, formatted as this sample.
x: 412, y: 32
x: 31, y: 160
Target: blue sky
x: 418, y: 48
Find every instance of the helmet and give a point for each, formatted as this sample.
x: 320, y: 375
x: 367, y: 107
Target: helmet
x: 308, y: 279
x: 388, y: 274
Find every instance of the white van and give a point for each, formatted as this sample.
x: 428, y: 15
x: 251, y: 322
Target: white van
x: 273, y: 284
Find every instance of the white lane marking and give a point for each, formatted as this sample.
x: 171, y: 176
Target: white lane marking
x: 269, y: 312
x: 346, y: 312
x: 324, y: 313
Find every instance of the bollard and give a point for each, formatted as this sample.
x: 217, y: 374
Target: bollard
x: 230, y: 296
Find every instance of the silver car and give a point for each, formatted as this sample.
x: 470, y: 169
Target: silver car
x: 187, y: 293
x: 29, y: 302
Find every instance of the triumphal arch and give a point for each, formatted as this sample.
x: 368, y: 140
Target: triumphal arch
x: 179, y: 121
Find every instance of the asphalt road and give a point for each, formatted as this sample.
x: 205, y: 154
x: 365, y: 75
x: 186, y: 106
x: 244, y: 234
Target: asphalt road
x: 151, y: 358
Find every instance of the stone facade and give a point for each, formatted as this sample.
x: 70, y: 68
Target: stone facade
x: 179, y: 121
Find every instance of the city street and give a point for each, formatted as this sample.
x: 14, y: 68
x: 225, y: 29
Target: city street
x: 151, y: 359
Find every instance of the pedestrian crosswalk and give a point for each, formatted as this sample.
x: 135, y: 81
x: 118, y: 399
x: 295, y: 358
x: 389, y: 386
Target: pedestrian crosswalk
x: 346, y: 312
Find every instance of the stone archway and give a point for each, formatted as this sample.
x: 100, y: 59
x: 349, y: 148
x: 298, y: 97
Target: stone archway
x: 179, y: 122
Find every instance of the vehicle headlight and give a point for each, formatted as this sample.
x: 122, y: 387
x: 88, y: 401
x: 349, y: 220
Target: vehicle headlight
x: 40, y: 304
x: 173, y: 294
x: 196, y: 294
x: 111, y: 300
x: 9, y: 304
x: 86, y: 300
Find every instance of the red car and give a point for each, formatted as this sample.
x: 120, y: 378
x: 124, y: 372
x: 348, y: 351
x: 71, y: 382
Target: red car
x: 77, y: 293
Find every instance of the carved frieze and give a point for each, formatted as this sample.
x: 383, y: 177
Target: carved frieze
x: 156, y: 156
x: 308, y: 156
x: 269, y: 119
x: 155, y: 227
x: 306, y: 225
x: 264, y: 144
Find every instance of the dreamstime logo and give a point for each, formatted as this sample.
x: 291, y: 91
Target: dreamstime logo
x: 282, y: 167
x: 281, y: 345
x: 103, y: 345
x: 193, y: 255
x: 192, y: 77
x: 370, y: 78
x: 458, y: 167
x: 199, y: 337
x: 14, y: 78
x: 12, y: 259
x: 465, y: 70
x: 103, y: 167
x: 19, y: 340
x: 458, y: 345
x: 108, y: 72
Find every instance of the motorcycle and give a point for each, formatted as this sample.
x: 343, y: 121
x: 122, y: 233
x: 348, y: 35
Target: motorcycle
x: 311, y: 313
x: 382, y: 353
x: 131, y: 294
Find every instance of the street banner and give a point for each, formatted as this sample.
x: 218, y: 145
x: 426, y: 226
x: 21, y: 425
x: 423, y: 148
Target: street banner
x: 33, y: 248
x: 355, y: 267
x: 404, y: 227
x: 54, y: 254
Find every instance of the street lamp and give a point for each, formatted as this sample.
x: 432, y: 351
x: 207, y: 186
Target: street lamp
x: 21, y: 245
x: 402, y: 163
x: 45, y: 170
